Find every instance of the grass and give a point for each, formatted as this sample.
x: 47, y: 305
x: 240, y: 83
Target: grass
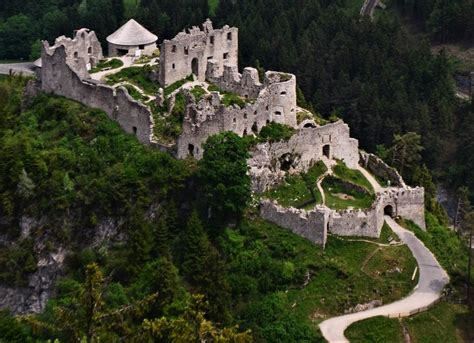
x: 298, y: 190
x: 174, y: 86
x: 112, y: 64
x: 231, y: 99
x: 168, y: 128
x: 198, y: 92
x: 139, y: 76
x: 377, y: 329
x: 136, y: 94
x: 333, y: 185
x: 450, y: 251
x: 213, y: 5
x: 339, y: 283
x: 445, y: 322
x: 336, y: 281
x: 275, y: 132
x: 352, y: 175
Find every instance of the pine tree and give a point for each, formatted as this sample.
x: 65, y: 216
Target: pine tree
x: 197, y: 251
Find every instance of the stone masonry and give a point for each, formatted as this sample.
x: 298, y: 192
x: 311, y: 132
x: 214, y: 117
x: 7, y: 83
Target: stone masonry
x: 189, y: 52
x: 212, y: 56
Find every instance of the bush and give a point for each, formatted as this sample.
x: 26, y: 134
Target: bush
x: 275, y: 132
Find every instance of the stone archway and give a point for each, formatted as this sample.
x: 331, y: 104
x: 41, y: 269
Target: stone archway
x: 195, y: 66
x: 388, y: 210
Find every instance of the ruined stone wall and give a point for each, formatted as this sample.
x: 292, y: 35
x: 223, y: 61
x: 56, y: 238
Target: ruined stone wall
x: 58, y: 78
x: 83, y: 51
x: 210, y: 116
x: 408, y: 203
x: 305, y: 148
x: 189, y: 52
x: 311, y: 225
x: 379, y: 168
x: 405, y: 202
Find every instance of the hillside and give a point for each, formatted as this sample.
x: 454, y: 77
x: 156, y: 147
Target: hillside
x: 105, y: 236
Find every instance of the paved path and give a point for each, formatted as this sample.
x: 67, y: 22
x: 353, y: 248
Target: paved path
x: 26, y: 68
x: 375, y: 185
x: 432, y: 280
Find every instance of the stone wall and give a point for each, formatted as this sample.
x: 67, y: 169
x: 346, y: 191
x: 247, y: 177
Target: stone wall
x: 379, y: 168
x: 83, y: 51
x: 189, y: 52
x: 60, y: 79
x: 406, y: 202
x: 276, y: 102
x: 305, y: 147
x: 311, y: 225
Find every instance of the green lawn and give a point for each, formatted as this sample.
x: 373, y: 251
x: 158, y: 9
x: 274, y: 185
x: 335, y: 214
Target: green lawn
x: 139, y: 76
x: 297, y: 190
x: 374, y: 330
x: 112, y: 64
x: 352, y: 175
x: 445, y: 322
x: 339, y: 196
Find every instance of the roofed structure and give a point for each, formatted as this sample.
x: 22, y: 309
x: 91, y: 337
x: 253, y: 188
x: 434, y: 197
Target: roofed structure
x: 130, y: 38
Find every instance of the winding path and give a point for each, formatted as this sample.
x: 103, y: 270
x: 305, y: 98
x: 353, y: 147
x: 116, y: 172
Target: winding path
x: 432, y: 280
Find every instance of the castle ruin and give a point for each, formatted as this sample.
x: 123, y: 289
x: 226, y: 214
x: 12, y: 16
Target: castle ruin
x: 208, y: 59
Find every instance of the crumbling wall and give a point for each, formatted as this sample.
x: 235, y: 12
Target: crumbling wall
x: 189, y: 52
x: 379, y: 168
x: 311, y: 225
x: 58, y: 78
x: 210, y: 116
x: 306, y: 148
x: 83, y: 51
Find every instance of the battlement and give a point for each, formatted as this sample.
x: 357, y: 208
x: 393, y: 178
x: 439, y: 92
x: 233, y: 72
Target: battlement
x: 189, y: 52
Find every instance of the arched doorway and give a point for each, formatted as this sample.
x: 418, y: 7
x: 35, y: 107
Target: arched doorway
x: 388, y: 211
x: 191, y: 150
x: 327, y: 151
x: 195, y: 66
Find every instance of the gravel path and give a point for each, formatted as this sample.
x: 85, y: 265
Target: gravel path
x: 432, y: 280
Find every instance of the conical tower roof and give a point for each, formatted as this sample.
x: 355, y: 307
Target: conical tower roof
x: 132, y: 33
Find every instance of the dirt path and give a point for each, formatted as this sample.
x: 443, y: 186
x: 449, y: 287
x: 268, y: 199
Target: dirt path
x: 432, y: 280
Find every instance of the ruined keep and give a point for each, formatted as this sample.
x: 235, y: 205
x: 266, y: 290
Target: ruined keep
x: 189, y: 52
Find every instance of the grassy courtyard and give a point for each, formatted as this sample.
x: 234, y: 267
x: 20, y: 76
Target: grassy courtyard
x: 339, y: 196
x: 139, y: 76
x: 299, y: 191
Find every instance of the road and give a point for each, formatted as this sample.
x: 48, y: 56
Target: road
x: 26, y: 68
x: 431, y: 282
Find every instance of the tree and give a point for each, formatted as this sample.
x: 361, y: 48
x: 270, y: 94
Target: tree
x: 191, y: 326
x: 223, y: 177
x: 197, y: 250
x: 405, y: 153
x: 85, y: 317
x: 16, y: 36
x: 468, y: 227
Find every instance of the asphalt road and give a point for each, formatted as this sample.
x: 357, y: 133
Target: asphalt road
x: 26, y: 68
x: 431, y: 282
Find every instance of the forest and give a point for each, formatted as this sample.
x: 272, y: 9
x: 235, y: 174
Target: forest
x: 184, y: 273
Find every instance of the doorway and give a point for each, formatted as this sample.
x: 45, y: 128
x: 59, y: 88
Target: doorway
x: 195, y: 67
